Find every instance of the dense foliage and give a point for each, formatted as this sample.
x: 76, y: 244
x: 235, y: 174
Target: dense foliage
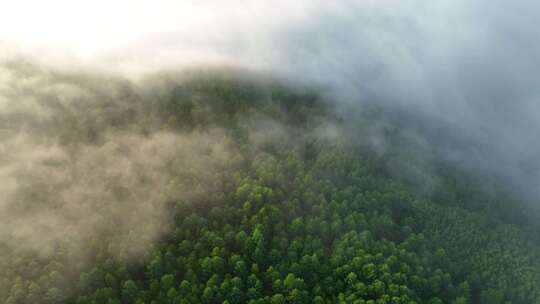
x: 306, y: 216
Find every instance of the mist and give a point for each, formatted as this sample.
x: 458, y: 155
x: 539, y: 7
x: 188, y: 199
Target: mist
x: 79, y: 125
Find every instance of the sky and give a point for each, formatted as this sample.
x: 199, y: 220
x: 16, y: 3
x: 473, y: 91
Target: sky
x: 469, y: 68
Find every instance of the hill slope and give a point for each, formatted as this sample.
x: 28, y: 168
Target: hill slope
x: 274, y: 202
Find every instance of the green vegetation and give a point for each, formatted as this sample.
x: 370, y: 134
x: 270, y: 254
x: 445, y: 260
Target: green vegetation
x: 305, y: 215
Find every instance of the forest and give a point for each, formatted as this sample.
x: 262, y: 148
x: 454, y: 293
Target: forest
x: 227, y: 187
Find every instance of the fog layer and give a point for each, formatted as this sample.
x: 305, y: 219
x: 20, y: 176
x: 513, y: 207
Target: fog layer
x: 465, y: 70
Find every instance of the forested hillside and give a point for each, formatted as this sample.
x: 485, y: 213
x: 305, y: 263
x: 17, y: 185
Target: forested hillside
x: 267, y: 194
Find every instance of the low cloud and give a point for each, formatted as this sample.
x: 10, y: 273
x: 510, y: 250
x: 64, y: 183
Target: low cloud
x: 89, y: 161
